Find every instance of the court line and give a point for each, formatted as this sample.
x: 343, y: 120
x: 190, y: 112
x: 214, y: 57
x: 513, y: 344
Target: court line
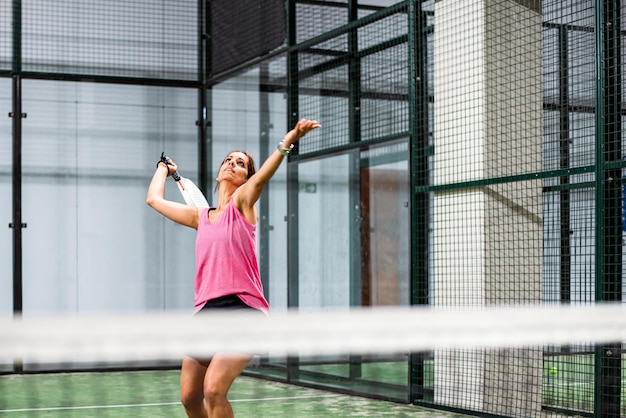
x: 70, y: 408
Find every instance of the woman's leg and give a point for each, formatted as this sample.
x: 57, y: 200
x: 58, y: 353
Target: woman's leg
x: 192, y: 375
x: 220, y: 375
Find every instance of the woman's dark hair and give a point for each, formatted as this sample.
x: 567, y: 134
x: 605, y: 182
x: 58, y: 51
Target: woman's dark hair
x: 251, y: 169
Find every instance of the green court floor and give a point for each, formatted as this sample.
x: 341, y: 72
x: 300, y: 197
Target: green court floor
x: 155, y: 394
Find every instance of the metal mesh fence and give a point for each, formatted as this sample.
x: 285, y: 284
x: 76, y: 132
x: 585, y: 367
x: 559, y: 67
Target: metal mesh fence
x: 6, y: 36
x: 139, y: 39
x: 516, y: 188
x: 317, y: 18
x: 357, y: 81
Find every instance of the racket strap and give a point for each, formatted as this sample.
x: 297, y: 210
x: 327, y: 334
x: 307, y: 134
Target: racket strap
x: 164, y: 160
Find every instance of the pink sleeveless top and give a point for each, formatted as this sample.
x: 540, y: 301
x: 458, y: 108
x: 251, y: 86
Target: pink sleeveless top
x: 226, y: 260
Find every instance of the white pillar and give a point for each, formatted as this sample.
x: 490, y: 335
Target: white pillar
x: 488, y: 239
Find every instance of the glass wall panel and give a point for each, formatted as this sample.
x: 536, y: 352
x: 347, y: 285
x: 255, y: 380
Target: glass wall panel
x: 385, y: 198
x: 6, y: 214
x: 89, y: 152
x: 333, y: 267
x: 277, y: 213
x: 324, y: 234
x: 6, y: 190
x: 249, y: 115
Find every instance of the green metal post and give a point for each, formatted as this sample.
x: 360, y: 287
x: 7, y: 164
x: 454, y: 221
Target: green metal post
x: 292, y: 179
x: 608, y: 381
x: 204, y: 107
x: 418, y: 125
x: 564, y: 147
x: 17, y: 223
x: 354, y: 121
x: 264, y: 201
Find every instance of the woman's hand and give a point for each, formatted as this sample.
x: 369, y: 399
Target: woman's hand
x: 177, y: 212
x: 303, y: 127
x: 171, y: 166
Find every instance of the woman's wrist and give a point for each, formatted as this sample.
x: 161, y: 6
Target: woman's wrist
x: 162, y: 164
x: 284, y: 148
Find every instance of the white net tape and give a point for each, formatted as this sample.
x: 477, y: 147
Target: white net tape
x: 374, y: 330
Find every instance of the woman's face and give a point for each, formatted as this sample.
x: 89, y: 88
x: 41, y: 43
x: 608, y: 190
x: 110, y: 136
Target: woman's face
x: 234, y: 168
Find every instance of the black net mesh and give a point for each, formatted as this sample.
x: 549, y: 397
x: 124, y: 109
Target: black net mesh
x: 243, y: 30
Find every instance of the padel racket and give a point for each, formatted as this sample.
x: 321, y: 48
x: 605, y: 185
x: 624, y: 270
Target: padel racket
x: 188, y: 189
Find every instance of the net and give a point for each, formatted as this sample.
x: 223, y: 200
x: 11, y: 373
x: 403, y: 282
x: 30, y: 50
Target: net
x: 472, y: 154
x: 129, y: 365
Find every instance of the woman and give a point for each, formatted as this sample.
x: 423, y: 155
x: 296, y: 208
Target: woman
x: 227, y: 272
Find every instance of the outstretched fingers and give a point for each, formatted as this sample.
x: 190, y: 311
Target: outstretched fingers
x: 304, y: 126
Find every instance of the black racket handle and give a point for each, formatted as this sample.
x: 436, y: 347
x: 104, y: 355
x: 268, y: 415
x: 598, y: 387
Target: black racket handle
x: 165, y: 159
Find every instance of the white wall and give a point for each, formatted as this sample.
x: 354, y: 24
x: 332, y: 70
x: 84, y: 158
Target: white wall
x: 92, y: 244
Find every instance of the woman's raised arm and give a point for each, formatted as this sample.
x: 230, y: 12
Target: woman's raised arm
x: 177, y: 212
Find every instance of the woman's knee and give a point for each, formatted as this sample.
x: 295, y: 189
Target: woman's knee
x: 215, y: 394
x: 191, y: 399
x: 191, y: 383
